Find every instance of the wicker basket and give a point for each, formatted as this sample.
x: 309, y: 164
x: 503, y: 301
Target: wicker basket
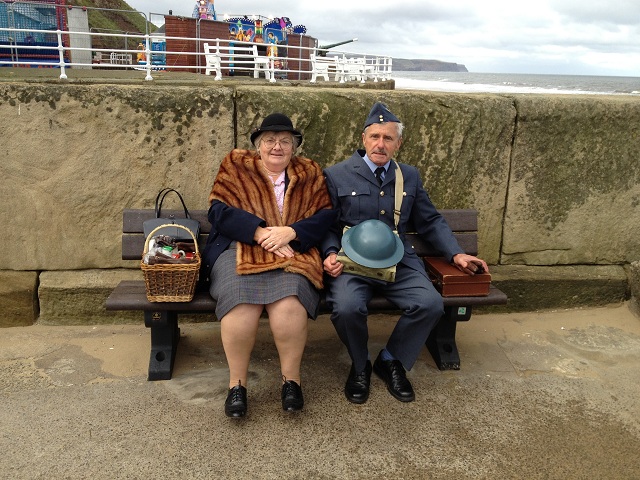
x: 170, y: 282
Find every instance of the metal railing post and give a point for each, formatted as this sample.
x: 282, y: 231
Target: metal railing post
x: 63, y: 75
x: 299, y: 56
x: 148, y: 54
x: 198, y: 40
x: 272, y: 78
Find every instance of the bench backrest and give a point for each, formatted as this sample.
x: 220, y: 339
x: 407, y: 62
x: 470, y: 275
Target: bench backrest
x: 232, y: 52
x: 464, y: 224
x: 322, y: 60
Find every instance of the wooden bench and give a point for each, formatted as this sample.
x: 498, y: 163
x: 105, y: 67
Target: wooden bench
x: 324, y: 67
x: 162, y: 318
x: 112, y: 58
x: 353, y: 69
x: 236, y: 56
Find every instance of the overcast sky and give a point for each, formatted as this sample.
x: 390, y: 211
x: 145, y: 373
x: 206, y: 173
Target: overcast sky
x: 583, y: 37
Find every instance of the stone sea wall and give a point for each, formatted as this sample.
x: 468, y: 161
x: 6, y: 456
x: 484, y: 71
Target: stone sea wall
x: 556, y: 179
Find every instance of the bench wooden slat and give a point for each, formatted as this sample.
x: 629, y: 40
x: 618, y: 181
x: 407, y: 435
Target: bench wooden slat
x: 133, y: 244
x: 468, y: 242
x: 463, y: 223
x: 131, y: 295
x: 459, y: 220
x: 462, y: 220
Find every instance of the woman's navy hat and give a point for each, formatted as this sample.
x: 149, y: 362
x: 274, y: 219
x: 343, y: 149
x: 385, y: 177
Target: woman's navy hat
x: 380, y: 113
x: 276, y: 122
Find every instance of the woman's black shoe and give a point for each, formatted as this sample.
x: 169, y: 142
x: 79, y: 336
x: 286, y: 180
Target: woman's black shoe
x: 236, y: 403
x: 292, y: 400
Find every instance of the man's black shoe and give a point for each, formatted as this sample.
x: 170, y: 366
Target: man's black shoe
x: 292, y: 399
x: 235, y: 405
x: 357, y: 387
x: 393, y: 374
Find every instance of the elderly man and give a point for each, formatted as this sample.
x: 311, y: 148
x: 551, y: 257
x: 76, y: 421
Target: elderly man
x: 362, y: 188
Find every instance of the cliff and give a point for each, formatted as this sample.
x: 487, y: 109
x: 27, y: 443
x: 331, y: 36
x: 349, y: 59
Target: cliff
x: 418, y: 65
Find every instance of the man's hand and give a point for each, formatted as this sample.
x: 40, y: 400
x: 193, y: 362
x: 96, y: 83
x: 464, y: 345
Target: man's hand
x: 470, y: 264
x: 332, y: 266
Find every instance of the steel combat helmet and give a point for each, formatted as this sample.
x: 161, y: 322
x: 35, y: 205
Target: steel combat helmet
x: 372, y: 244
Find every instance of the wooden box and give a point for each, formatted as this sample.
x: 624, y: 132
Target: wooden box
x: 451, y: 282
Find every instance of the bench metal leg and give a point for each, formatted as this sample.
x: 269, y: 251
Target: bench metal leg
x: 165, y: 335
x: 442, y: 340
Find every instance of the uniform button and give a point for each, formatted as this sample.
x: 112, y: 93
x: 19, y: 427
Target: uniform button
x: 404, y: 194
x: 382, y: 194
x: 382, y: 212
x: 353, y: 194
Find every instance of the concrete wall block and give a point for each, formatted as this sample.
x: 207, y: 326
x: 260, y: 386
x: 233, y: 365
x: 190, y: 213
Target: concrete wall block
x: 78, y: 155
x: 78, y: 21
x: 77, y: 297
x: 575, y: 184
x: 18, y: 298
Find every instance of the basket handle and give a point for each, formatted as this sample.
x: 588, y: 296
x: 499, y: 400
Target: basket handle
x: 150, y: 236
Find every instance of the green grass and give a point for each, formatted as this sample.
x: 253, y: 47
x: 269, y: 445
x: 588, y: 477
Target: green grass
x: 114, y: 16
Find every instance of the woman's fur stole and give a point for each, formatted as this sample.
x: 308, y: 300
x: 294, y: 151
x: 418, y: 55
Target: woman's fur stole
x: 242, y: 182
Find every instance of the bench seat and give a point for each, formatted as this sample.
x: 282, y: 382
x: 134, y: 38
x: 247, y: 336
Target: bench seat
x: 131, y: 295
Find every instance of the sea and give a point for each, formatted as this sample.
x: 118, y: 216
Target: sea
x: 468, y: 82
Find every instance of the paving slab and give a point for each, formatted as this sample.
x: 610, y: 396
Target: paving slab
x: 540, y: 395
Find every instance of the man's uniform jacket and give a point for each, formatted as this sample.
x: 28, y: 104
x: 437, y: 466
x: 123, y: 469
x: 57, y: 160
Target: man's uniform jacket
x: 355, y: 193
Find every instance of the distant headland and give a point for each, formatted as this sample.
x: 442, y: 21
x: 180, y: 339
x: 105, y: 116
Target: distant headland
x: 417, y: 65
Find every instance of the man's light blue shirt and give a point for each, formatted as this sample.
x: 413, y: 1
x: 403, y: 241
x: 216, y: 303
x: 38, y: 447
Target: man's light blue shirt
x: 373, y: 166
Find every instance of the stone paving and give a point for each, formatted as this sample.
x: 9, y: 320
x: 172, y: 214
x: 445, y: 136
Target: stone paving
x: 552, y: 395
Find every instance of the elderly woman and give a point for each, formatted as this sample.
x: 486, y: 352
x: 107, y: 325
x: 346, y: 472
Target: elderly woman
x: 269, y: 210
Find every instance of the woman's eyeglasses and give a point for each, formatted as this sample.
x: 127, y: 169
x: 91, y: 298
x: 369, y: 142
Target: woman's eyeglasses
x: 285, y: 143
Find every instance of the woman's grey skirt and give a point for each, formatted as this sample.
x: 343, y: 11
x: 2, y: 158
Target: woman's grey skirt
x: 230, y: 289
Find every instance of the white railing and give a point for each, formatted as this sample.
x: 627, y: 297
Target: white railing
x: 299, y: 63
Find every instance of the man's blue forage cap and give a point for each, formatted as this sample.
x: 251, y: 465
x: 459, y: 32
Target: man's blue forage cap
x: 380, y: 114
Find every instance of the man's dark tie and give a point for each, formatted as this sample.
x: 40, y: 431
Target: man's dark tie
x: 378, y: 173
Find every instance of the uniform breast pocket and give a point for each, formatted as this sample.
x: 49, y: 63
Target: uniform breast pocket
x: 408, y: 199
x: 353, y: 203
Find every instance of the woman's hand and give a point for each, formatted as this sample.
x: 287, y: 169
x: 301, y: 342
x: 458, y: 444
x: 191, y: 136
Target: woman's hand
x: 276, y: 240
x: 285, y: 251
